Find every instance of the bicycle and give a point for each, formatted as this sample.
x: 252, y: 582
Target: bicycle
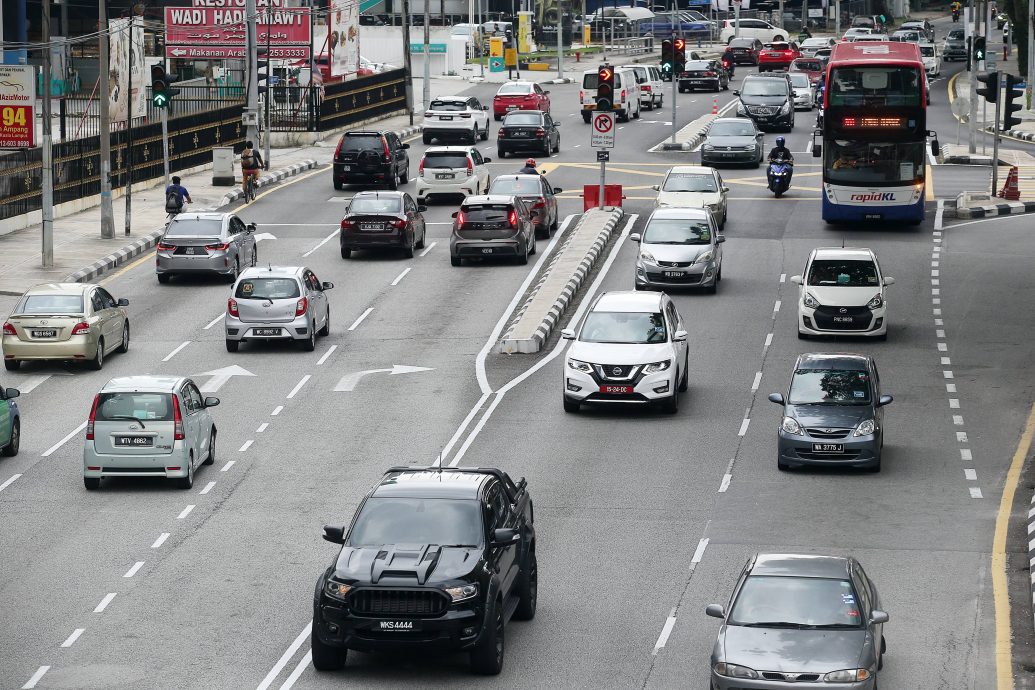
x: 249, y: 188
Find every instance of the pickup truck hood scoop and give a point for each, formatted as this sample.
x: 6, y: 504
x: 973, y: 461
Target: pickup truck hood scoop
x: 422, y: 562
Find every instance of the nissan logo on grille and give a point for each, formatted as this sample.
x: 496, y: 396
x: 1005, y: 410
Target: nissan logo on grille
x: 616, y: 371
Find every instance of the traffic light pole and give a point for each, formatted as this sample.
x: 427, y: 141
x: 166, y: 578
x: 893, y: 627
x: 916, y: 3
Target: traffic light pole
x: 107, y: 212
x: 675, y: 90
x: 252, y: 104
x: 269, y: 87
x: 48, y: 151
x: 165, y: 144
x: 995, y: 134
x: 971, y: 28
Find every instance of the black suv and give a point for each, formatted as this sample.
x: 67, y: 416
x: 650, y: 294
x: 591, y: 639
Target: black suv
x: 434, y: 558
x: 371, y: 157
x: 768, y: 100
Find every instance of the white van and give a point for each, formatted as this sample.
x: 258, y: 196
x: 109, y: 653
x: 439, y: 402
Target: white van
x: 627, y: 94
x: 649, y: 79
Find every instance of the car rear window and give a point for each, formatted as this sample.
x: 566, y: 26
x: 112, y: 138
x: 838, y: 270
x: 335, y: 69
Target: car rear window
x: 51, y: 304
x: 445, y: 160
x: 927, y: 51
x: 195, y: 227
x: 779, y: 46
x: 267, y: 288
x: 515, y: 185
x: 742, y: 43
x: 361, y: 142
x: 808, y: 65
x: 523, y: 119
x: 451, y: 106
x: 799, y: 79
x: 145, y: 407
x: 698, y: 66
x: 514, y: 89
x: 376, y: 204
x: 494, y: 213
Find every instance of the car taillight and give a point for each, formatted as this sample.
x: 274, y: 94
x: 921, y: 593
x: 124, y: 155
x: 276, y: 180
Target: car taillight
x: 218, y: 246
x: 93, y: 418
x: 9, y: 329
x: 81, y: 328
x: 388, y: 155
x: 645, y: 87
x: 513, y: 219
x: 337, y: 149
x: 395, y: 224
x: 231, y: 307
x: 347, y: 223
x: 420, y: 168
x: 166, y: 247
x: 540, y: 132
x: 501, y: 133
x: 540, y: 203
x: 623, y: 94
x: 177, y: 420
x: 470, y: 167
x: 460, y: 220
x: 709, y: 74
x: 301, y: 305
x: 582, y: 96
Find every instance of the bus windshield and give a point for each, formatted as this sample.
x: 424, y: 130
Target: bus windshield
x: 873, y: 163
x: 875, y: 86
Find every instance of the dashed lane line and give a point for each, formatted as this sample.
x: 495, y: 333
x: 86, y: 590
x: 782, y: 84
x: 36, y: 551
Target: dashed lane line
x: 134, y: 568
x: 70, y: 640
x: 36, y: 677
x: 298, y: 386
x: 104, y: 602
x: 365, y: 314
x: 10, y: 480
x: 179, y: 347
x: 160, y: 540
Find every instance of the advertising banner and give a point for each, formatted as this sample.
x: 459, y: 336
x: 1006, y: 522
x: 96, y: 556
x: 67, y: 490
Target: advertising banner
x: 343, y: 37
x: 17, y: 107
x: 204, y: 26
x: 127, y: 56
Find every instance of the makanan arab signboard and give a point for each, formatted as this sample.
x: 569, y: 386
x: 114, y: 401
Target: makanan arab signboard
x: 216, y: 28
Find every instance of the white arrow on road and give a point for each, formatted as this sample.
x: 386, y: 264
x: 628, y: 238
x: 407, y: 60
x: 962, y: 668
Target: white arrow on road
x: 350, y: 381
x: 221, y: 376
x: 264, y: 236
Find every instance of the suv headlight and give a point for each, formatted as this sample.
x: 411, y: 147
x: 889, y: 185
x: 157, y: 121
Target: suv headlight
x: 647, y: 257
x: 657, y: 366
x: 810, y: 301
x: 865, y: 428
x: 462, y: 592
x: 876, y: 303
x: 705, y: 257
x: 708, y: 147
x: 579, y: 366
x: 847, y: 675
x: 337, y: 590
x: 735, y: 671
x: 790, y: 426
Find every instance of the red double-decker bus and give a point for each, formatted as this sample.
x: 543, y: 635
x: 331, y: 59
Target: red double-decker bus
x: 874, y: 130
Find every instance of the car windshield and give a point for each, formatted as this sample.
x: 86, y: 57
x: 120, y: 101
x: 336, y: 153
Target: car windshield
x: 449, y: 106
x: 732, y: 129
x: 445, y: 160
x: 404, y: 520
x: 534, y: 119
x: 374, y: 204
x: 873, y: 163
x: 800, y: 80
x: 51, y: 304
x: 842, y: 273
x: 764, y: 87
x: 796, y: 602
x: 689, y: 182
x: 955, y: 35
x: 830, y: 387
x: 140, y: 406
x: 267, y: 288
x: 517, y: 186
x: 195, y: 227
x: 875, y: 86
x: 624, y: 327
x: 677, y: 231
x: 514, y: 89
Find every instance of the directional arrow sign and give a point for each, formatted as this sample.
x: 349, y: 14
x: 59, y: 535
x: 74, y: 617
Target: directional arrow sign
x: 350, y: 381
x: 177, y: 52
x: 264, y: 236
x: 221, y: 376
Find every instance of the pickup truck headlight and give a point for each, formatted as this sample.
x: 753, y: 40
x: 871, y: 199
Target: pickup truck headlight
x: 810, y: 301
x: 579, y: 366
x: 337, y: 590
x: 656, y: 367
x: 462, y: 592
x: 790, y: 426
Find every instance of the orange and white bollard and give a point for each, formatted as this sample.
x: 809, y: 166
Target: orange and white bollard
x: 715, y: 105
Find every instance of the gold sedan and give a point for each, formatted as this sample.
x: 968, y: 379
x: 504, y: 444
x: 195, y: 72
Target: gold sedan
x: 68, y: 322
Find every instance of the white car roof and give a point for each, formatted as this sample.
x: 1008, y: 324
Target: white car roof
x: 144, y: 384
x: 629, y: 301
x: 448, y: 149
x: 683, y: 212
x: 691, y: 170
x: 857, y: 253
x: 488, y: 199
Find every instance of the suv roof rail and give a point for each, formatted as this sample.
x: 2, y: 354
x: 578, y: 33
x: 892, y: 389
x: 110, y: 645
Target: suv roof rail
x: 511, y: 487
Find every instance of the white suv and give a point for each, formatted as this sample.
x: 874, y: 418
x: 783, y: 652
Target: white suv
x: 932, y: 60
x: 842, y: 293
x: 452, y: 170
x: 752, y: 28
x: 649, y: 79
x: 456, y: 117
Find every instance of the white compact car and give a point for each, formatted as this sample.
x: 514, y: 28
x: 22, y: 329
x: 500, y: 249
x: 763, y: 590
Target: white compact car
x: 630, y: 349
x: 804, y: 97
x: 842, y: 293
x: 751, y: 28
x: 456, y: 117
x: 694, y: 186
x: 932, y: 60
x: 452, y: 171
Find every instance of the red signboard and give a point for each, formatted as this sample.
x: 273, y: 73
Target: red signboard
x: 216, y: 52
x: 219, y: 26
x: 17, y: 102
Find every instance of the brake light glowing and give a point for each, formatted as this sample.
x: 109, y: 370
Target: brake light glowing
x: 9, y: 329
x: 395, y: 224
x: 709, y: 74
x: 470, y: 167
x: 218, y: 247
x: 539, y: 203
x: 347, y: 223
x: 623, y: 94
x: 93, y: 417
x: 645, y: 87
x: 460, y: 219
x: 513, y: 219
x: 337, y: 149
x: 231, y: 307
x: 81, y: 328
x: 177, y: 420
x: 420, y: 168
x: 301, y: 305
x: 540, y: 132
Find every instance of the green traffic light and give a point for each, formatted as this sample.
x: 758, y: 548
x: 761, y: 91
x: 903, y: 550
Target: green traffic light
x: 160, y: 100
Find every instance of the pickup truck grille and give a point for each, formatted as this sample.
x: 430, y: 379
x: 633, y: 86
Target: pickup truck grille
x: 398, y: 602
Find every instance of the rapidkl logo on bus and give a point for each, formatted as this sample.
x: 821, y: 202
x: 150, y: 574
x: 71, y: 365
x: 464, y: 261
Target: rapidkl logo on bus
x: 878, y: 196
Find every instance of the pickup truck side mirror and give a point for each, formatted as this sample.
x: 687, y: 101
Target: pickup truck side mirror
x: 504, y: 536
x: 123, y: 302
x: 334, y: 534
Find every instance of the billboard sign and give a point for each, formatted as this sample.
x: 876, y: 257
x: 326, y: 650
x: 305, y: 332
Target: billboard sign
x: 343, y: 35
x: 206, y: 30
x: 17, y: 107
x: 126, y: 38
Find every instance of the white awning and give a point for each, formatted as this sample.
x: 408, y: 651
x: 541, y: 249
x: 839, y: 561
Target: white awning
x: 633, y: 14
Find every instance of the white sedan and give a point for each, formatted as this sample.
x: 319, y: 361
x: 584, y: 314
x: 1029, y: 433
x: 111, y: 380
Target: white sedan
x: 694, y: 186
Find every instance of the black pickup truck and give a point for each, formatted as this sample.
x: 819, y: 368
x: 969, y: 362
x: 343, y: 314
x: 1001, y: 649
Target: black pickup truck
x: 434, y: 558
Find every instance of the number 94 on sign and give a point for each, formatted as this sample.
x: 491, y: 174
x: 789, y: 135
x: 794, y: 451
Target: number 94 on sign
x: 14, y: 115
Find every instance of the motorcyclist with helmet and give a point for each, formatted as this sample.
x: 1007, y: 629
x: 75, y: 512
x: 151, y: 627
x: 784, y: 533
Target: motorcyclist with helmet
x: 529, y: 168
x: 781, y: 154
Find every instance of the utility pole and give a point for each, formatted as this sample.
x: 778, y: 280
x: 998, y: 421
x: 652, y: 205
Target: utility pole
x: 971, y: 27
x: 1000, y: 77
x: 130, y: 103
x: 407, y: 60
x: 427, y: 54
x: 1031, y: 54
x: 107, y: 213
x: 48, y: 153
x: 837, y: 19
x: 736, y: 17
x: 251, y: 109
x: 269, y: 86
x: 560, y: 40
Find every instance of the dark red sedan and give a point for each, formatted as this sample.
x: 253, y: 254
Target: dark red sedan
x: 810, y: 66
x: 778, y: 56
x: 520, y: 95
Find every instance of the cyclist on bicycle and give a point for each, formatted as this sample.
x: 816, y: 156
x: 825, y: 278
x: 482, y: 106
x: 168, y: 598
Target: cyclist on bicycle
x: 175, y: 195
x: 251, y: 163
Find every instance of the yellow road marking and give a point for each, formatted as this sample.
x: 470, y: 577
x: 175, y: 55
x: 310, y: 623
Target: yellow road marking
x: 128, y: 267
x: 613, y: 168
x: 930, y: 183
x: 1000, y: 590
x: 545, y: 168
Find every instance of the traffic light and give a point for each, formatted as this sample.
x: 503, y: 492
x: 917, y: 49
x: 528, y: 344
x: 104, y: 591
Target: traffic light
x: 679, y: 55
x: 667, y: 56
x: 605, y: 88
x: 979, y: 48
x: 1009, y: 107
x: 162, y: 90
x: 262, y: 68
x: 990, y: 90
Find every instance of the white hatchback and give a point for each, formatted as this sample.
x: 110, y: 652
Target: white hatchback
x: 751, y: 28
x: 452, y: 170
x: 932, y: 60
x: 842, y: 292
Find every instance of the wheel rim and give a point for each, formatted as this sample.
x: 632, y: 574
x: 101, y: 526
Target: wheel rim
x: 212, y: 446
x: 100, y: 353
x: 15, y: 438
x: 125, y: 337
x: 499, y: 636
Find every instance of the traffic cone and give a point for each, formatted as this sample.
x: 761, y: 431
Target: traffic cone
x: 1010, y: 190
x: 715, y: 105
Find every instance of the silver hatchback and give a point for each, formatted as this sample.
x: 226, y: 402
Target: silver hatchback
x: 149, y: 426
x: 277, y: 303
x: 217, y: 243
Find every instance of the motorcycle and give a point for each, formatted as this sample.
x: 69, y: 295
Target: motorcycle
x: 955, y: 16
x: 780, y: 176
x: 727, y: 64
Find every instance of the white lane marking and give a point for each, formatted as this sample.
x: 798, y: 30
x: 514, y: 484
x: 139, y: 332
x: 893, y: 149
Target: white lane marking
x: 758, y: 380
x: 213, y: 322
x: 65, y: 440
x: 160, y: 540
x: 970, y: 475
x: 576, y: 145
x: 950, y: 388
x: 934, y: 273
x: 961, y: 436
x: 954, y: 403
x: 935, y: 291
x: 246, y: 446
x: 282, y: 662
x: 768, y: 341
x: 276, y: 410
x: 329, y: 352
x: 490, y: 342
x: 303, y: 664
x: 298, y: 386
x: 776, y: 307
x: 227, y: 466
x: 987, y: 220
x: 957, y: 419
x: 938, y: 217
x: 401, y: 276
x: 725, y: 483
x: 73, y: 637
x: 208, y: 487
x: 262, y: 427
x: 947, y: 374
x: 460, y: 429
x: 104, y: 602
x: 699, y: 553
x: 430, y: 247
x: 36, y: 677
x: 939, y: 322
x: 324, y: 241
x: 946, y: 361
x: 965, y: 454
x: 10, y: 480
x: 133, y: 570
x: 975, y: 492
x: 185, y: 512
x: 743, y: 426
x: 355, y: 324
x: 179, y: 347
x: 30, y: 383
x: 937, y: 312
x: 942, y: 347
x: 783, y: 277
x: 937, y: 240
x: 937, y: 233
x: 665, y: 632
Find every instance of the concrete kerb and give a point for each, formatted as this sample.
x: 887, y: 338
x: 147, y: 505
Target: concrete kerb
x: 701, y: 124
x: 1006, y: 208
x: 268, y: 179
x: 547, y: 323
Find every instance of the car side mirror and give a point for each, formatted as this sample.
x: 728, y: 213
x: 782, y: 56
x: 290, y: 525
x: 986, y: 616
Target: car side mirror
x: 736, y: 92
x: 679, y: 336
x: 405, y: 146
x: 211, y: 402
x: 557, y: 190
x: 817, y: 150
x: 635, y: 237
x: 504, y: 536
x: 715, y: 611
x: 250, y: 227
x: 719, y: 239
x: 327, y: 286
x: 725, y: 188
x: 334, y: 534
x: 935, y: 148
x: 884, y: 400
x: 776, y: 398
x: 878, y: 617
x: 568, y: 334
x: 123, y: 302
x: 11, y: 393
x: 796, y: 280
x: 889, y: 281
x: 556, y: 124
x: 545, y: 92
x: 454, y: 214
x: 486, y: 160
x: 485, y: 107
x: 421, y: 208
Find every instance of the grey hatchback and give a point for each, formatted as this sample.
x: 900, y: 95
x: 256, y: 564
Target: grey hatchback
x: 277, y: 303
x: 799, y: 621
x: 217, y: 243
x: 833, y: 414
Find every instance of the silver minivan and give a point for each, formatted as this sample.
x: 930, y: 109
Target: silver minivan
x: 218, y: 243
x: 277, y: 303
x: 149, y: 426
